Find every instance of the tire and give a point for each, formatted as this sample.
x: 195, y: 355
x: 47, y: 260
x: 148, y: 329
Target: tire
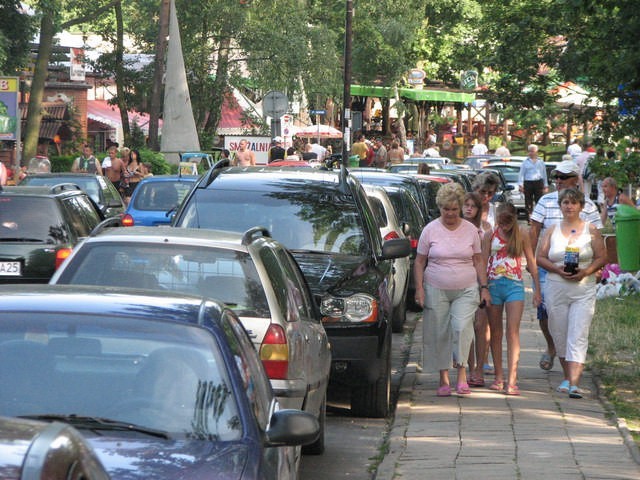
x: 399, y: 316
x: 374, y: 400
x: 317, y: 447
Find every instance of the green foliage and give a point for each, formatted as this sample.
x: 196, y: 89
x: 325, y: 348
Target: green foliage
x: 16, y: 31
x: 159, y: 166
x: 61, y: 163
x: 137, y: 140
x: 625, y: 171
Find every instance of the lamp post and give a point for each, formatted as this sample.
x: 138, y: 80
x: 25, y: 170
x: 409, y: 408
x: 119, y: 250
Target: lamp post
x: 346, y: 96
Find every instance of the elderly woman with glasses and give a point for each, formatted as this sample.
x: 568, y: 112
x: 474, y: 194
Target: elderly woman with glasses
x: 546, y: 214
x: 571, y: 251
x: 450, y: 268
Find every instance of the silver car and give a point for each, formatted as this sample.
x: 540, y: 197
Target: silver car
x: 390, y: 227
x: 511, y: 172
x: 252, y: 273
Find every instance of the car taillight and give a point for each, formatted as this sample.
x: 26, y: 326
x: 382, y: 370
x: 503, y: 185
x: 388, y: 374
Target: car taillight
x: 414, y: 243
x: 61, y: 255
x: 127, y: 220
x: 274, y: 353
x: 391, y: 235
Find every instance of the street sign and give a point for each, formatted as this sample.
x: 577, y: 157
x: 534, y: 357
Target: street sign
x: 275, y: 104
x: 318, y: 112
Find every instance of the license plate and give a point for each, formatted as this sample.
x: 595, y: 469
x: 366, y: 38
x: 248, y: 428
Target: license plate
x: 13, y: 269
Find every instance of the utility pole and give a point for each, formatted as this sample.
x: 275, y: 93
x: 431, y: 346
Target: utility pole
x: 158, y: 75
x: 346, y: 96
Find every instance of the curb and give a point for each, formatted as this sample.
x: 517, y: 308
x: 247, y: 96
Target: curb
x: 621, y: 424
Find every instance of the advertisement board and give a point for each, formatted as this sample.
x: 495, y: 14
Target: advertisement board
x: 259, y: 145
x: 9, y: 113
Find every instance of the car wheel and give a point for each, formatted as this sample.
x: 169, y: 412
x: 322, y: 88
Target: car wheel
x: 399, y: 316
x: 317, y: 447
x: 373, y: 400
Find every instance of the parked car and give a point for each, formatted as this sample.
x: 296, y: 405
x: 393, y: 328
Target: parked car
x: 39, y: 226
x: 99, y: 188
x: 325, y: 219
x: 410, y: 165
x: 464, y: 178
x: 156, y: 198
x: 36, y: 449
x: 430, y: 184
x: 511, y: 172
x: 252, y: 273
x: 391, y: 227
x: 476, y: 162
x: 160, y: 385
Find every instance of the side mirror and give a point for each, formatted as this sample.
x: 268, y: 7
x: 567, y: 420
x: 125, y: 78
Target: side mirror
x: 396, y: 248
x: 292, y: 427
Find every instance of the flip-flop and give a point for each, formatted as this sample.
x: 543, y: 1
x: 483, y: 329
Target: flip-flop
x: 575, y: 392
x: 497, y: 385
x: 463, y: 389
x: 511, y: 390
x: 444, y: 391
x: 546, y: 361
x: 476, y: 381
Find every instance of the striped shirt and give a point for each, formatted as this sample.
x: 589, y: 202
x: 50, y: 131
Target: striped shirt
x: 547, y: 212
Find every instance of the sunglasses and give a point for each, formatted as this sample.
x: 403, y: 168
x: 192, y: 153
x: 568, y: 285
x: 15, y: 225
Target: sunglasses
x: 563, y: 177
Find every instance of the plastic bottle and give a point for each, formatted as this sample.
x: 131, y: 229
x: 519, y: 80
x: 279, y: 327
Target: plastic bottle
x: 571, y: 255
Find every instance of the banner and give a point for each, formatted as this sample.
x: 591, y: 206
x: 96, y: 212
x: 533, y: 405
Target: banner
x: 76, y: 66
x: 9, y: 111
x: 258, y: 145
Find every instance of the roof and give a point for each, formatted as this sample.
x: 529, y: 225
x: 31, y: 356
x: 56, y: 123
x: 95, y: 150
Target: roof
x: 232, y: 118
x: 101, y: 111
x: 54, y: 115
x: 432, y: 95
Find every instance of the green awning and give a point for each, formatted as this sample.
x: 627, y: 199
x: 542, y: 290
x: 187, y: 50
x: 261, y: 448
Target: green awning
x: 413, y: 94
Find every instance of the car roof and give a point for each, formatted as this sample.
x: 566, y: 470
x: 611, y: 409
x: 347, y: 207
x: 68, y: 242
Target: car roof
x: 167, y: 234
x: 169, y: 178
x: 96, y: 300
x: 41, y: 191
x: 263, y: 178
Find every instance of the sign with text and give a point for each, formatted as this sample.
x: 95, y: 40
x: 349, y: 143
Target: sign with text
x: 258, y: 145
x: 76, y: 66
x: 9, y: 113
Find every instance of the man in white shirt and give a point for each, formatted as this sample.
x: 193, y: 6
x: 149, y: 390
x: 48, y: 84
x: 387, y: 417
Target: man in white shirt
x: 503, y: 151
x: 574, y: 149
x: 479, y: 148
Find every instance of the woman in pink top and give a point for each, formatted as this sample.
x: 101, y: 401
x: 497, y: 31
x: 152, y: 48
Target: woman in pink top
x: 505, y: 250
x: 449, y: 265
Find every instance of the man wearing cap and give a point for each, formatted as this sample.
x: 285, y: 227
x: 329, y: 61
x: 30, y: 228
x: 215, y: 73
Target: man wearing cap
x: 276, y: 152
x: 532, y: 180
x: 545, y: 214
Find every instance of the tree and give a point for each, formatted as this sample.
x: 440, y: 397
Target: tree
x: 49, y: 12
x: 16, y: 31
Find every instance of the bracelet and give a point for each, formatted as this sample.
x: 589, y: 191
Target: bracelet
x: 484, y: 286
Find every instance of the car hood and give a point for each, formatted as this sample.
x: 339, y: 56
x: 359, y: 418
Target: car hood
x: 338, y: 273
x: 137, y: 459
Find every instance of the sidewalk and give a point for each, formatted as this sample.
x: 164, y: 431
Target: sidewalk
x: 540, y: 434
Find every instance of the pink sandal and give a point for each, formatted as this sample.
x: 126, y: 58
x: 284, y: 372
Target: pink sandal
x: 497, y: 385
x: 463, y: 389
x: 475, y: 381
x: 512, y: 390
x: 444, y: 391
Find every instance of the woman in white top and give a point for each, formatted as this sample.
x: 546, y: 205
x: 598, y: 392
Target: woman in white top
x: 570, y: 289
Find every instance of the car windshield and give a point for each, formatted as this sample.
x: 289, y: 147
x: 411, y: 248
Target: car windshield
x: 88, y: 184
x: 302, y: 219
x: 34, y: 219
x: 223, y: 274
x: 160, y: 196
x: 510, y: 173
x: 153, y: 375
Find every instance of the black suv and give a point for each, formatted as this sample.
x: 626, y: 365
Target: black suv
x: 100, y: 189
x: 325, y: 219
x: 38, y: 228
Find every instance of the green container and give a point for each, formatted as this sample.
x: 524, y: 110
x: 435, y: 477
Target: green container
x: 354, y: 161
x: 628, y: 237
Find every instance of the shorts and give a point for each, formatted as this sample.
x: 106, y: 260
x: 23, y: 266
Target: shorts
x: 504, y: 290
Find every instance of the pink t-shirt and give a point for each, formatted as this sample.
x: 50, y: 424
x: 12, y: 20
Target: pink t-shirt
x: 450, y: 255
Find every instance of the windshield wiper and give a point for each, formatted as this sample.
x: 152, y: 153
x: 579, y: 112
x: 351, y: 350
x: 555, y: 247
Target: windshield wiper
x: 99, y: 423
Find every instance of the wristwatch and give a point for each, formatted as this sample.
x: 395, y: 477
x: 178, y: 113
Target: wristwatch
x: 484, y: 286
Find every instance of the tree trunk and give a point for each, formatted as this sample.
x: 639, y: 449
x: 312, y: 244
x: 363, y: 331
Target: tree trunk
x: 34, y: 111
x: 219, y: 85
x: 122, y: 103
x: 158, y: 75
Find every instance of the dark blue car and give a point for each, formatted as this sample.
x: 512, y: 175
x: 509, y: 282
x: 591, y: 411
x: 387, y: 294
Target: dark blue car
x: 160, y: 386
x: 155, y: 198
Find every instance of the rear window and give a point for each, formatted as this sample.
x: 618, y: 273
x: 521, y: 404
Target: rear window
x: 222, y: 274
x: 306, y: 219
x: 31, y: 219
x: 160, y: 196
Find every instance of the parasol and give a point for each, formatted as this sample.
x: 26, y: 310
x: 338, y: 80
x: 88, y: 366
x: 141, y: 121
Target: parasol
x: 319, y: 131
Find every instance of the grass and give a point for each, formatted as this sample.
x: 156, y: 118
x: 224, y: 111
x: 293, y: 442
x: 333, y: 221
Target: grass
x: 614, y: 355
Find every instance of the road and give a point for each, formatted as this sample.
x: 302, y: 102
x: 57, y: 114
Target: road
x: 354, y: 445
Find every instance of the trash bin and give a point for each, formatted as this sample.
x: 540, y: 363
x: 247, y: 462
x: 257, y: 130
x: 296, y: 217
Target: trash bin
x: 628, y: 237
x: 354, y: 161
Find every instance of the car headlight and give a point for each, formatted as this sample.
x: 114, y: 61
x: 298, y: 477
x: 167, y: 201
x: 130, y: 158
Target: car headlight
x: 356, y: 308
